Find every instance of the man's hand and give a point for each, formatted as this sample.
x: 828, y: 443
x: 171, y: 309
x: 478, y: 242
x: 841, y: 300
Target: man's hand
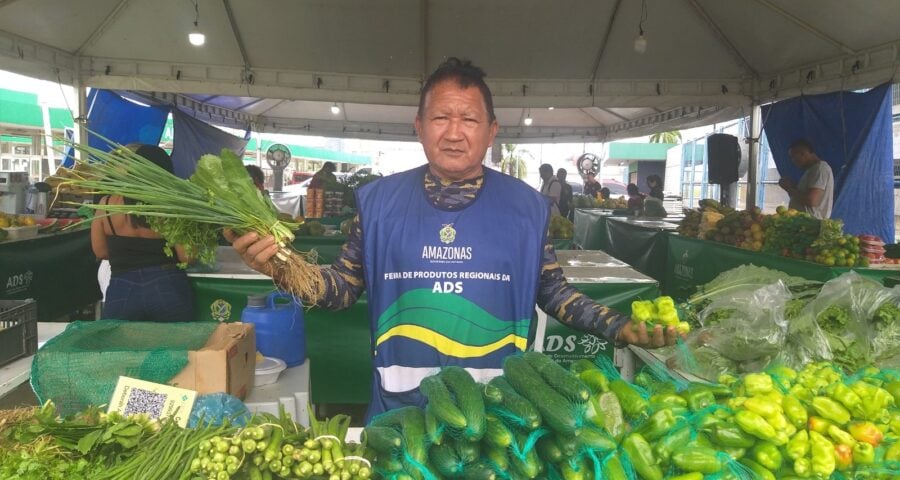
x: 787, y: 184
x: 635, y: 333
x: 254, y: 251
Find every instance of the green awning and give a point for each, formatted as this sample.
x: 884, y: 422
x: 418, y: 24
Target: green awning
x: 29, y: 115
x: 639, y: 151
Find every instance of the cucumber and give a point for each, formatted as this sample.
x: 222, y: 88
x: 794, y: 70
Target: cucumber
x: 384, y: 440
x: 391, y: 465
x: 445, y: 460
x: 524, y: 412
x: 531, y: 466
x: 596, y: 439
x: 493, y: 396
x: 442, y: 405
x: 497, y: 433
x: 558, y: 413
x: 567, y: 444
x: 574, y: 470
x: 479, y: 470
x: 468, y: 398
x: 549, y: 451
x: 467, y: 452
x: 412, y: 424
x: 498, y: 458
x: 433, y: 428
x: 568, y: 385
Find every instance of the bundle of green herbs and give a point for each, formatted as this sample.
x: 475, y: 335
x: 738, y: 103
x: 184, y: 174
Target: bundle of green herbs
x: 191, y: 213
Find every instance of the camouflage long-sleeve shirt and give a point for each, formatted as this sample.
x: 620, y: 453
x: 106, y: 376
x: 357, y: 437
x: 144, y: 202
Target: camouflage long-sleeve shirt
x: 345, y: 280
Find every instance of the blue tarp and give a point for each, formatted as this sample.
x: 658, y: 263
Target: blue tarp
x: 122, y: 121
x: 193, y: 139
x: 853, y: 133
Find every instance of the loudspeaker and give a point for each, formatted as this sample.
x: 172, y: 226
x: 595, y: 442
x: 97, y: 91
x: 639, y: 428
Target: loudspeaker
x: 723, y: 155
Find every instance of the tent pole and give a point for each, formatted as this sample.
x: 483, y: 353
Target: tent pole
x: 753, y: 160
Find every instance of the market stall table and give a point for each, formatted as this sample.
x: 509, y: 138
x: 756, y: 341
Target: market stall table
x: 338, y: 343
x: 693, y: 262
x: 58, y: 270
x: 640, y: 242
x: 590, y: 228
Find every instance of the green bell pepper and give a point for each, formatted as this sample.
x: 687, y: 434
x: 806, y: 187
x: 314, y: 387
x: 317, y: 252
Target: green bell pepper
x: 633, y: 404
x: 736, y: 453
x: 641, y: 455
x: 846, y: 397
x: 866, y: 432
x: 863, y: 454
x: 755, y: 425
x: 893, y: 388
x: 662, y: 400
x: 595, y: 380
x: 798, y: 446
x: 843, y: 457
x: 728, y: 434
x: 831, y: 410
x: 721, y: 391
x: 698, y: 396
x: 658, y: 424
x: 667, y: 444
x: 818, y: 424
x: 643, y: 311
x: 803, y: 467
x: 893, y: 453
x: 697, y: 459
x: 688, y: 476
x: 761, y: 406
x: 794, y: 411
x: 762, y: 473
x: 801, y: 393
x: 758, y: 383
x: 874, y: 399
x: 726, y: 380
x: 823, y: 460
x: 767, y: 455
x: 840, y: 436
x: 612, y: 468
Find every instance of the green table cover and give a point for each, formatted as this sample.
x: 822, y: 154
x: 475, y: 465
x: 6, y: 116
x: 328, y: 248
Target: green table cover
x: 58, y: 270
x: 693, y: 262
x: 641, y: 243
x: 590, y: 228
x: 562, y: 243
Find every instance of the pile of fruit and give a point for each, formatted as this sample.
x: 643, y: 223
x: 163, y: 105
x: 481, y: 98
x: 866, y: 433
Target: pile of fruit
x: 561, y: 227
x: 660, y: 311
x: 586, y: 201
x: 540, y: 421
x: 787, y: 232
x: 8, y: 220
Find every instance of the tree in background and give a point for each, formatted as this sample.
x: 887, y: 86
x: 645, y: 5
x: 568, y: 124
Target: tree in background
x: 513, y: 161
x: 666, y: 137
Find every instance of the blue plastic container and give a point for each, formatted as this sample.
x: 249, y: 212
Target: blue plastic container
x: 280, y: 331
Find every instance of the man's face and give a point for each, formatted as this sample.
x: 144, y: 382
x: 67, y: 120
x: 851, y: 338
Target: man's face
x: 800, y: 156
x: 455, y: 130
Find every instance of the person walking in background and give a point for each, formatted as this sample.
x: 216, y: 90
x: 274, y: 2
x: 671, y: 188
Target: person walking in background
x: 565, y: 193
x: 814, y: 193
x: 591, y: 186
x: 550, y: 187
x: 655, y: 184
x: 258, y: 177
x: 635, y: 199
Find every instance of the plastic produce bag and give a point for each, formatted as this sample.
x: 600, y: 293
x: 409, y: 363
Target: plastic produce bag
x: 841, y: 325
x: 747, y: 324
x: 215, y: 408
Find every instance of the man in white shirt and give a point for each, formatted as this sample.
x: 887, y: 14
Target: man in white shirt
x: 814, y: 193
x: 550, y: 187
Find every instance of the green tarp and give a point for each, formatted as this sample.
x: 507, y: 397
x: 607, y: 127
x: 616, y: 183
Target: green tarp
x: 590, y: 228
x: 59, y: 271
x: 640, y: 243
x: 693, y: 262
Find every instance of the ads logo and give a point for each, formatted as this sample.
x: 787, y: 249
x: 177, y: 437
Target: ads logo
x: 683, y: 269
x: 19, y: 283
x: 590, y: 344
x: 220, y: 310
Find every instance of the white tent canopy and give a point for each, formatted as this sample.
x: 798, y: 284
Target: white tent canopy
x: 281, y: 64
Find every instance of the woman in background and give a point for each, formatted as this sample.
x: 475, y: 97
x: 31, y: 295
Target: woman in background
x: 635, y: 199
x: 146, y: 284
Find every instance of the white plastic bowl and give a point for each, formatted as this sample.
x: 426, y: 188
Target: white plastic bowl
x: 268, y: 370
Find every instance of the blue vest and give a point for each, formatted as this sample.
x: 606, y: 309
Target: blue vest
x: 447, y: 287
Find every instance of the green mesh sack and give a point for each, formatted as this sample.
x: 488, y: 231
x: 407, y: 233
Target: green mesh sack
x: 81, y: 366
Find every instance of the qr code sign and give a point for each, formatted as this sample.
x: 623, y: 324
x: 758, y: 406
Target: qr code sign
x: 145, y: 401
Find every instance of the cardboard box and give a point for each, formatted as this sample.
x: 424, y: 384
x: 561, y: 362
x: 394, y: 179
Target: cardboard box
x: 227, y: 363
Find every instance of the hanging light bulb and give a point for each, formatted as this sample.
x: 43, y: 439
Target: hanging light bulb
x: 196, y: 37
x: 335, y: 109
x: 528, y: 120
x: 640, y: 42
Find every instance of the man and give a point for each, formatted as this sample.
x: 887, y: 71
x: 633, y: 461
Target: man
x: 550, y: 187
x: 325, y: 176
x: 565, y: 193
x: 449, y: 280
x: 591, y: 185
x: 815, y: 191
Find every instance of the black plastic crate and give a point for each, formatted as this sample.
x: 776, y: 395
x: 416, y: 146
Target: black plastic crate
x: 18, y: 329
